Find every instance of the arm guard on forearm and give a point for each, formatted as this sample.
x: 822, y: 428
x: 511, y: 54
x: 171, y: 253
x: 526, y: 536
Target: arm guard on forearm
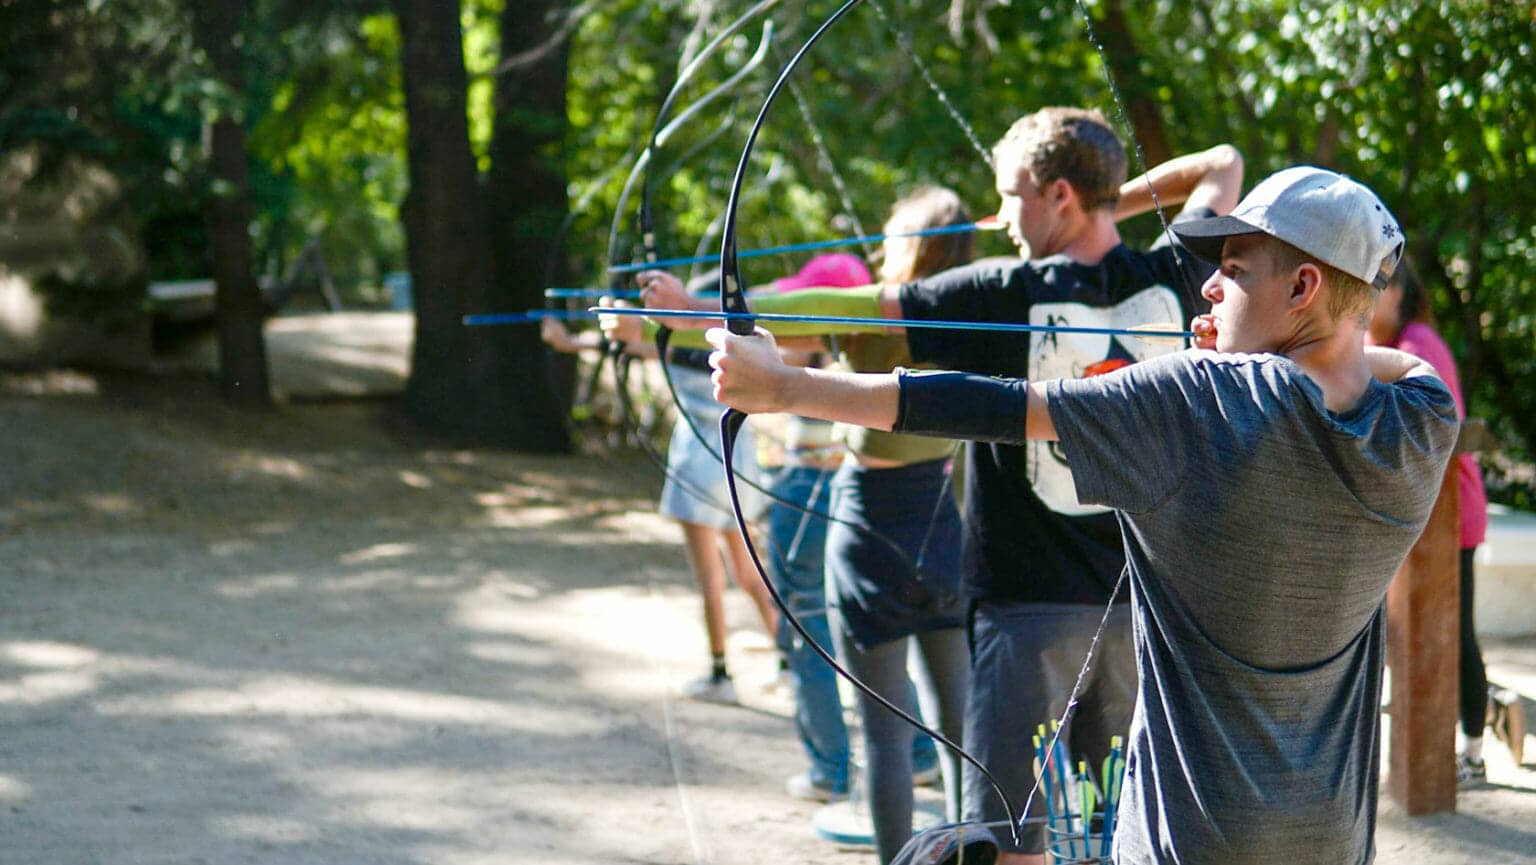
x: 962, y: 405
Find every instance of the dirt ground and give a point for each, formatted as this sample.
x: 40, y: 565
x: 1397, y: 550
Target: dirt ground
x: 305, y: 637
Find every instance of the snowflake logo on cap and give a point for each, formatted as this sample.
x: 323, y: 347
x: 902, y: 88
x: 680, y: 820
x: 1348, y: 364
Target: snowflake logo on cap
x: 1388, y: 230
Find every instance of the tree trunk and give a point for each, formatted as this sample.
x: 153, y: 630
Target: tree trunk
x: 469, y: 383
x: 526, y: 185
x: 238, y: 310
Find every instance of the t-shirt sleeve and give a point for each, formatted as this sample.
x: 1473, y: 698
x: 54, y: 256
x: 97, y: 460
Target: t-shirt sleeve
x: 1128, y: 434
x: 1429, y: 412
x: 976, y: 292
x: 1422, y: 342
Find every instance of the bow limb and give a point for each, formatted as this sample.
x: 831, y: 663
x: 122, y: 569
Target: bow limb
x: 905, y: 41
x: 693, y: 66
x: 733, y: 301
x: 640, y: 174
x: 661, y: 130
x: 659, y: 136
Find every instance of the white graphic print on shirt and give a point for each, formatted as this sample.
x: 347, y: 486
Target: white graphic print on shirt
x: 1078, y: 355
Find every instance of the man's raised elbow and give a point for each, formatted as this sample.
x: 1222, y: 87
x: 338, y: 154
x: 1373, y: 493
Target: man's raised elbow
x: 1227, y: 157
x: 1223, y: 178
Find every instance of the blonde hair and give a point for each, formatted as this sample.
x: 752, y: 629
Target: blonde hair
x: 909, y: 258
x: 1073, y: 144
x: 1347, y: 295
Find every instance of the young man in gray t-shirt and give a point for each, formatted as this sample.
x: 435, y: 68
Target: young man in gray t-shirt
x: 1267, y: 491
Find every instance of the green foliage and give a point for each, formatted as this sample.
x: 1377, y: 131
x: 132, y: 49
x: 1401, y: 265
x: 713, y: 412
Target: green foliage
x: 1429, y: 103
x: 93, y: 102
x: 482, y: 50
x: 122, y: 85
x: 330, y: 147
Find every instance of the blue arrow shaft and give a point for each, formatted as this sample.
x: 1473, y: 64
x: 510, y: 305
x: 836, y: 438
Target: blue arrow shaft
x: 890, y: 322
x: 622, y: 293
x: 796, y: 247
x: 524, y: 317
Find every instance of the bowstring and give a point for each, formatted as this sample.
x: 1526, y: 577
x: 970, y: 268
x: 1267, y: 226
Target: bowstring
x: 1140, y: 153
x: 903, y: 39
x: 824, y: 158
x: 661, y: 130
x: 733, y: 300
x: 1130, y: 131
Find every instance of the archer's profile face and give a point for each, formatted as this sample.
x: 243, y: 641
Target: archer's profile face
x: 1022, y: 208
x: 1248, y: 297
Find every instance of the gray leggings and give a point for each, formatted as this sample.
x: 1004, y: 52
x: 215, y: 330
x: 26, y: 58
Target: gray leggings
x: 942, y: 666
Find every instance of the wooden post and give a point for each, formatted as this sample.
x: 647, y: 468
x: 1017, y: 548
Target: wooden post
x: 1423, y: 647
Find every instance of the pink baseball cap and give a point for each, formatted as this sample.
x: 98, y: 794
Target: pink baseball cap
x: 832, y: 270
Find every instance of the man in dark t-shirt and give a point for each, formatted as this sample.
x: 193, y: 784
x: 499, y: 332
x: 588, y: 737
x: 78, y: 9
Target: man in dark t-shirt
x: 1039, y: 566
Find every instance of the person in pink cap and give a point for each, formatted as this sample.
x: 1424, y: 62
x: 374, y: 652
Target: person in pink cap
x: 829, y: 270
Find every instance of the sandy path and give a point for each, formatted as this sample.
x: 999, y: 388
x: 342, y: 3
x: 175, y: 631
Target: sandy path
x: 226, y: 639
x: 298, y: 639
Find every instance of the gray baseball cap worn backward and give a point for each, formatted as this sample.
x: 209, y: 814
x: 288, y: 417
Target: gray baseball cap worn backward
x: 1322, y: 213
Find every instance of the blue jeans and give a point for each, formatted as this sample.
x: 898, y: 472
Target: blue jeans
x: 796, y: 541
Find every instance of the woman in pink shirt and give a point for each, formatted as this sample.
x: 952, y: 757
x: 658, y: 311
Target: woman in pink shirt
x: 1401, y: 320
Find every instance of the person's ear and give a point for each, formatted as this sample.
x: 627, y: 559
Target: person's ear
x: 1306, y: 285
x: 1061, y: 192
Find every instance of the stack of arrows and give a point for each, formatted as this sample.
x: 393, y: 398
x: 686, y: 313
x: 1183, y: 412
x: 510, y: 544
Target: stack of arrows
x: 1072, y: 798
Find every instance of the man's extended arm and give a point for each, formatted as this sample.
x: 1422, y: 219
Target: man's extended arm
x: 750, y: 377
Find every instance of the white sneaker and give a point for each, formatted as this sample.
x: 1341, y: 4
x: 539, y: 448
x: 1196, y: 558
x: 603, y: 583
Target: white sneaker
x: 711, y: 689
x: 926, y: 777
